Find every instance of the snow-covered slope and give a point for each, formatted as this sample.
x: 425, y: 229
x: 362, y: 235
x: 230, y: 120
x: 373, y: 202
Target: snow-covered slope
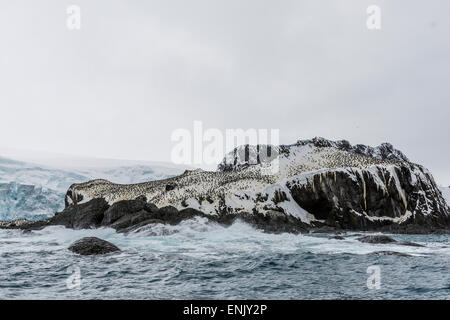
x: 313, y: 180
x: 298, y: 154
x: 33, y: 191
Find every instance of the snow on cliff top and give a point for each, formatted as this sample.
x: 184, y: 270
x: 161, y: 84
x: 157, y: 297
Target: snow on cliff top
x: 309, y: 155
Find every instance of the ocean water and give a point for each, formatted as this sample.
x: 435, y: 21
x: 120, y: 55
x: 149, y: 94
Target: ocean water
x: 202, y: 260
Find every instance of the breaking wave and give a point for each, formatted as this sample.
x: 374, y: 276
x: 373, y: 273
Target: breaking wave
x: 198, y: 259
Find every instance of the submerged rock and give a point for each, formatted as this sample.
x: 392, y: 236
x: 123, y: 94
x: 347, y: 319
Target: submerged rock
x: 391, y: 253
x: 92, y: 246
x: 337, y: 238
x: 376, y: 239
x: 24, y: 224
x: 324, y: 229
x: 382, y: 239
x: 410, y: 244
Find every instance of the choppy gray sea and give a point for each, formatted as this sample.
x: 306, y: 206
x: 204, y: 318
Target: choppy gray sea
x: 201, y: 260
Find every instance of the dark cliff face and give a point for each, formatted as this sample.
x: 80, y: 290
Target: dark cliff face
x: 395, y: 192
x: 362, y: 199
x: 400, y: 193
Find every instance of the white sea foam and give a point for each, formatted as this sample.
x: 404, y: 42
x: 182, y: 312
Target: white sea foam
x: 199, y: 236
x: 199, y: 259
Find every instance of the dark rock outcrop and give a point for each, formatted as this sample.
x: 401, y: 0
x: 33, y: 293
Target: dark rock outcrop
x: 83, y: 216
x: 129, y: 215
x: 24, y: 224
x: 382, y: 239
x: 376, y: 239
x: 92, y: 246
x: 126, y: 211
x: 373, y: 199
x: 410, y: 244
x: 337, y: 238
x: 272, y: 222
x: 391, y: 253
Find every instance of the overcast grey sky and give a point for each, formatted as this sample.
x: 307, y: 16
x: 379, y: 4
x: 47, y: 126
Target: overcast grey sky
x: 137, y: 70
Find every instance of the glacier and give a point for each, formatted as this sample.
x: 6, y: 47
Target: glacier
x: 35, y: 191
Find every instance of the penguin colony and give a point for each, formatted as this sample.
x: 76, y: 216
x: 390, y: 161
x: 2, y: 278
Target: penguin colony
x: 241, y: 187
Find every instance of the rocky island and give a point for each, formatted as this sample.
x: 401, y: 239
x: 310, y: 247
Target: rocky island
x: 317, y: 185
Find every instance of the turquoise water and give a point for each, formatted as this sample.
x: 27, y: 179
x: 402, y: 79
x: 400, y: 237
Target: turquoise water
x: 201, y: 260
